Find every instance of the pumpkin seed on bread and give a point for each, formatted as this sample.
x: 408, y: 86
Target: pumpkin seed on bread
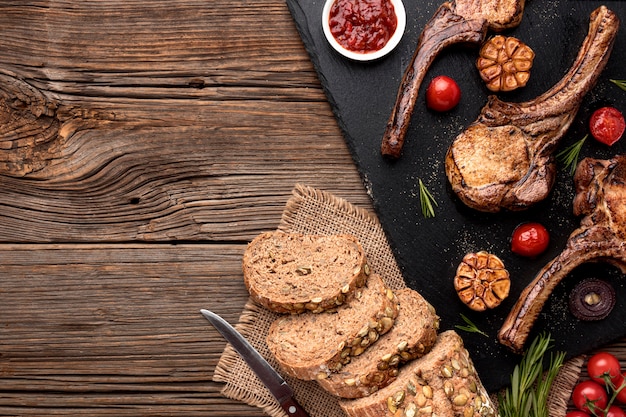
x: 311, y: 346
x: 412, y: 335
x: 443, y: 382
x: 295, y: 273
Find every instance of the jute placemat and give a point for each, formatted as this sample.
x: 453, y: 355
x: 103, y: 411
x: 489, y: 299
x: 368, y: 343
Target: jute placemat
x: 313, y: 211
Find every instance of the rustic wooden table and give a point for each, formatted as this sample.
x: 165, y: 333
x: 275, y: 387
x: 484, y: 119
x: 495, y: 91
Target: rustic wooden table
x: 142, y: 145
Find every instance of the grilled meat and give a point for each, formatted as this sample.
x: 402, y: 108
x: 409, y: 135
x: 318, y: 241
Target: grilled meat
x: 462, y: 21
x: 601, y: 198
x: 504, y: 159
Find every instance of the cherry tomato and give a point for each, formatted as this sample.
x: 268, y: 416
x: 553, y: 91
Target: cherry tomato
x: 607, y: 125
x: 577, y: 413
x: 615, y: 411
x: 442, y: 94
x: 589, y: 392
x: 530, y: 239
x: 604, y: 363
x: 621, y: 395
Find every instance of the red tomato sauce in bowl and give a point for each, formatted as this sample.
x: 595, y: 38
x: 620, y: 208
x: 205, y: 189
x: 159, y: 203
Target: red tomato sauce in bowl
x: 362, y: 26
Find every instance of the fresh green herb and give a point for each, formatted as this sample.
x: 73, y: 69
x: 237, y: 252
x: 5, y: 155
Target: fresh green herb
x: 426, y: 200
x: 469, y: 326
x: 620, y: 83
x: 569, y: 155
x: 528, y: 393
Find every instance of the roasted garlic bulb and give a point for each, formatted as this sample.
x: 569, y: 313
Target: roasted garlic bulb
x: 504, y: 63
x: 482, y: 281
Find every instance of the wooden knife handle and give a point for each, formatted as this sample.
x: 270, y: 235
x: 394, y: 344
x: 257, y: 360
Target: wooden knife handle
x: 293, y: 408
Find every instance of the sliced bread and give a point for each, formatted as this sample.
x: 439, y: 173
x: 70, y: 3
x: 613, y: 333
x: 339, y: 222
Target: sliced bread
x: 309, y: 346
x: 443, y: 382
x: 294, y: 273
x: 412, y: 335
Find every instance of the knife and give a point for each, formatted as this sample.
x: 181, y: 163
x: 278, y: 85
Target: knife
x: 273, y: 381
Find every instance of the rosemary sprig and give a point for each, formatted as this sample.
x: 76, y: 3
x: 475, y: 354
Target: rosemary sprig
x: 426, y: 201
x: 469, y: 326
x: 542, y: 389
x: 569, y: 156
x: 620, y: 83
x: 528, y: 393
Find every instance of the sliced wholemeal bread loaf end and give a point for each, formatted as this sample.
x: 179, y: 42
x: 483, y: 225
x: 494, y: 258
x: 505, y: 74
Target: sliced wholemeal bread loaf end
x: 443, y: 382
x: 311, y: 346
x: 412, y: 335
x: 294, y: 273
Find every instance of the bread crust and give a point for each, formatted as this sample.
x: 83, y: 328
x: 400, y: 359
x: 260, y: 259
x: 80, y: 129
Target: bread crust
x: 443, y: 382
x: 295, y: 273
x: 376, y: 348
x: 413, y: 335
x: 311, y: 346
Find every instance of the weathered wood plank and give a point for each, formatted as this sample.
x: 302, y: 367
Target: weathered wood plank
x: 133, y: 121
x: 116, y: 48
x: 160, y: 184
x: 142, y: 121
x: 115, y: 329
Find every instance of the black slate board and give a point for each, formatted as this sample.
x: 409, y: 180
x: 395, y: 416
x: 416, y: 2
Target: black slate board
x: 429, y: 250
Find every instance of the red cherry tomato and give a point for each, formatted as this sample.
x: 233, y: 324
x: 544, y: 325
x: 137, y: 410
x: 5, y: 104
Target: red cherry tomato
x: 607, y: 125
x: 530, y: 239
x: 577, y: 413
x: 442, y: 94
x: 604, y: 363
x: 615, y: 411
x: 589, y: 393
x: 621, y: 383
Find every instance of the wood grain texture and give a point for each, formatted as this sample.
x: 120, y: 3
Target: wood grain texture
x: 142, y: 144
x: 115, y: 329
x: 158, y: 121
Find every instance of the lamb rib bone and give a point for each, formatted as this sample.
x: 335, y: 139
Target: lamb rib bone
x: 601, y: 198
x: 504, y: 159
x: 462, y: 21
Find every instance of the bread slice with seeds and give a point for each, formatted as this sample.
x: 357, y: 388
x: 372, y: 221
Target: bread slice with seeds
x: 309, y: 346
x: 412, y: 335
x: 443, y: 382
x: 294, y: 273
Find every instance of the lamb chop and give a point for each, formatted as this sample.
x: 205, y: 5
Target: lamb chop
x: 461, y: 21
x: 504, y: 159
x: 601, y: 197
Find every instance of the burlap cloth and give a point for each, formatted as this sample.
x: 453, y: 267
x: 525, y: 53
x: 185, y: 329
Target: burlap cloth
x: 318, y: 212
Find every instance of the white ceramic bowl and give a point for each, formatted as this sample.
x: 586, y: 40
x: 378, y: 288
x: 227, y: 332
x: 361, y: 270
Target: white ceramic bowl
x: 370, y: 56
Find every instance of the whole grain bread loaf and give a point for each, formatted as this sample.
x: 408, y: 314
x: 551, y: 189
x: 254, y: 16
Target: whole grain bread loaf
x: 412, y: 335
x: 294, y: 273
x: 443, y: 382
x: 311, y: 346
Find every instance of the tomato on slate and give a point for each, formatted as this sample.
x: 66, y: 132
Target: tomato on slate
x: 604, y: 363
x: 577, y: 413
x: 607, y: 125
x: 615, y: 411
x: 442, y: 94
x: 530, y: 239
x: 589, y: 392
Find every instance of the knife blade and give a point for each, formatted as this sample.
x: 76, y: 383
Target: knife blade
x: 267, y: 374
